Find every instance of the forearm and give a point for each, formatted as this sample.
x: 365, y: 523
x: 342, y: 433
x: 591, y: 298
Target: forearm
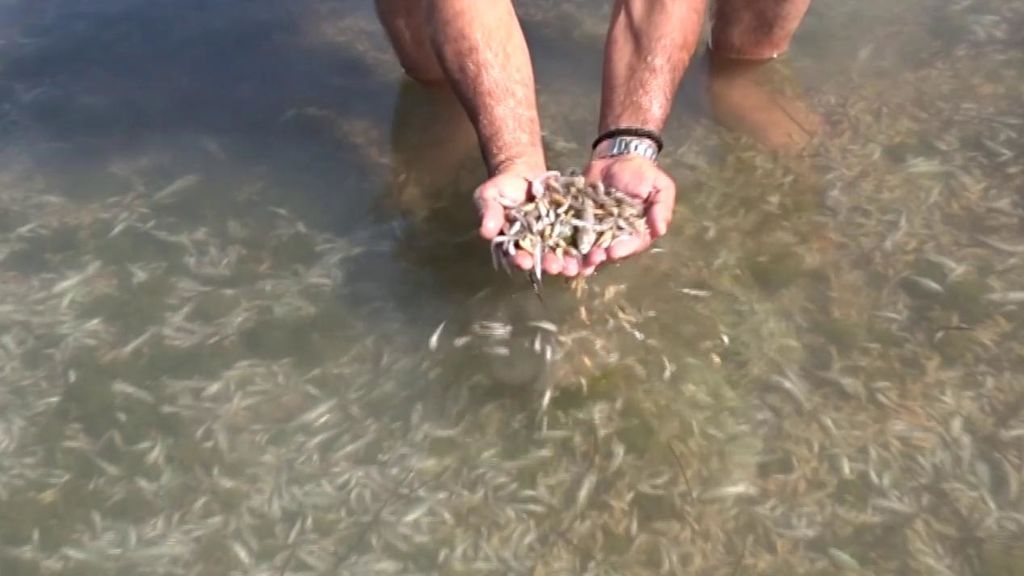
x: 481, y: 48
x: 649, y: 46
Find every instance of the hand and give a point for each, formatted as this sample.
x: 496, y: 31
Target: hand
x: 643, y: 179
x: 511, y: 187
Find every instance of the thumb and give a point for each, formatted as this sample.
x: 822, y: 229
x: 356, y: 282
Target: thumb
x: 492, y: 215
x: 662, y: 202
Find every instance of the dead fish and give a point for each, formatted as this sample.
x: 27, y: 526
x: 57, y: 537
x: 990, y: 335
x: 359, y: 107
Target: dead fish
x: 73, y: 281
x: 168, y: 193
x: 731, y: 491
x: 1011, y: 297
x: 544, y: 325
x: 842, y: 561
x: 585, y: 234
x: 586, y: 489
x: 895, y: 235
x: 694, y: 292
x: 925, y: 285
x: 432, y: 343
x: 999, y: 245
x: 792, y: 389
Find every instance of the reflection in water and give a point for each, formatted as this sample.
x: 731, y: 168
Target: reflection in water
x: 246, y: 324
x: 436, y: 166
x: 744, y: 100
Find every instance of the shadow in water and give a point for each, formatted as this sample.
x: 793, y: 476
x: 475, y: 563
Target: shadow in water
x: 199, y: 85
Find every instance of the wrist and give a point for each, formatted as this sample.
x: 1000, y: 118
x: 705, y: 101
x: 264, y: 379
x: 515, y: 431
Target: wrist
x: 627, y: 141
x: 601, y: 165
x: 521, y: 165
x: 631, y: 131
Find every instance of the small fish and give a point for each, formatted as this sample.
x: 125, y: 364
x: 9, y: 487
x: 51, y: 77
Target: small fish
x: 315, y: 414
x: 544, y: 325
x: 73, y: 281
x: 586, y: 489
x: 1011, y: 297
x: 241, y: 552
x: 694, y: 292
x: 1000, y: 245
x: 792, y: 389
x: 951, y: 268
x: 926, y: 285
x: 731, y: 491
x: 538, y: 259
x: 168, y: 193
x: 492, y: 328
x: 895, y: 235
x: 894, y: 506
x: 432, y: 343
x: 841, y: 560
x: 122, y: 387
x: 537, y: 188
x: 585, y: 234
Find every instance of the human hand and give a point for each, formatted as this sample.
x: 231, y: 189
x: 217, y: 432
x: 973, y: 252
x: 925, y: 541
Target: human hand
x: 641, y: 178
x: 509, y: 188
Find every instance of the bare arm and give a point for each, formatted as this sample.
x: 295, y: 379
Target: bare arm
x: 482, y: 51
x: 649, y: 46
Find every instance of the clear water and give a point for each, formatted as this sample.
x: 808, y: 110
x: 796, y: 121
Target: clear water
x: 818, y: 366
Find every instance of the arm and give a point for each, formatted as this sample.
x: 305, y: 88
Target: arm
x: 649, y: 46
x: 482, y: 51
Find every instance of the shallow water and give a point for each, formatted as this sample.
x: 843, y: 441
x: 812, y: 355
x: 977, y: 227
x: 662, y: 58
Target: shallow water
x: 246, y: 325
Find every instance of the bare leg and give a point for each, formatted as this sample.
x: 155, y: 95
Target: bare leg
x: 434, y: 151
x: 746, y: 34
x: 755, y: 29
x: 405, y: 22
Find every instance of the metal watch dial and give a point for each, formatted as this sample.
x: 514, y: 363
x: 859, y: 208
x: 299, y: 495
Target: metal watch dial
x: 627, y: 146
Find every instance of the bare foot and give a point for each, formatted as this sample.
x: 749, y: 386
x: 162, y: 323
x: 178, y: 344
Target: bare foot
x: 741, y: 100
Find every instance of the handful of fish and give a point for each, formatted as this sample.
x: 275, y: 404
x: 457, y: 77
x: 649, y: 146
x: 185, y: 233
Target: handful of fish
x: 567, y: 216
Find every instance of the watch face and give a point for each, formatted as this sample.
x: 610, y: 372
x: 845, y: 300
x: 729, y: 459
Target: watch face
x: 632, y: 146
x: 625, y: 145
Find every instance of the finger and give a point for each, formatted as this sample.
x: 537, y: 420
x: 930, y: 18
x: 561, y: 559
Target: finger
x: 523, y: 259
x: 627, y: 246
x: 492, y: 217
x: 595, y: 257
x: 570, y: 266
x: 660, y: 214
x: 552, y: 263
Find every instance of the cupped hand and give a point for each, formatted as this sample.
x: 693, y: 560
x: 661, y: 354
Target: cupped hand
x: 641, y: 178
x: 506, y: 189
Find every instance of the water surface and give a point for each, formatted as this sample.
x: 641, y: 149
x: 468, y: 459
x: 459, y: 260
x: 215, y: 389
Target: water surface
x: 246, y: 325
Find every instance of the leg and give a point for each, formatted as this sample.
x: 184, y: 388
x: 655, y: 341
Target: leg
x: 755, y: 29
x: 434, y: 153
x: 745, y: 35
x: 405, y: 22
x: 435, y: 159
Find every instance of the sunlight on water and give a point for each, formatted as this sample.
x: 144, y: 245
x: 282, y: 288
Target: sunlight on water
x: 247, y: 327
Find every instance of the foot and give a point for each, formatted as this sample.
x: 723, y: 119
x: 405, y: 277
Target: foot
x: 741, y: 100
